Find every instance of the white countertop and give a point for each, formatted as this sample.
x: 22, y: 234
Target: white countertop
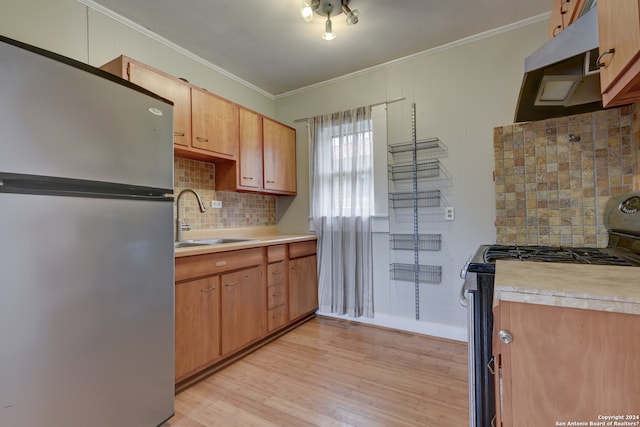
x: 592, y: 287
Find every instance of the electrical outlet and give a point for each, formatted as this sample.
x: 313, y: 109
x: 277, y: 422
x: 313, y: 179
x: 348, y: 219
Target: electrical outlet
x: 217, y: 204
x: 449, y: 213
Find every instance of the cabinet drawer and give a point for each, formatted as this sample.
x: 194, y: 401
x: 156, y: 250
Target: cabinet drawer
x: 276, y: 253
x: 300, y: 249
x: 276, y: 295
x: 275, y: 273
x: 209, y: 264
x: 277, y: 317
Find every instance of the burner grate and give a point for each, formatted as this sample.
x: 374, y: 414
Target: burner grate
x: 553, y: 254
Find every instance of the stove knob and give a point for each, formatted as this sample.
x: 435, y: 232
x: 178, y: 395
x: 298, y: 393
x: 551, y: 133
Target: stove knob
x: 505, y: 336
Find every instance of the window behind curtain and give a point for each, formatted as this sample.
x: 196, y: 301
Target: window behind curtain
x: 344, y: 171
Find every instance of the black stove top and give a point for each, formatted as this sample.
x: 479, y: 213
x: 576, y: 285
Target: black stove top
x: 485, y: 257
x: 552, y: 254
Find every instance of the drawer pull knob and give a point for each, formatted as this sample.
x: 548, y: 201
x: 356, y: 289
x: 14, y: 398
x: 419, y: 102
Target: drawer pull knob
x: 277, y: 294
x: 201, y: 139
x: 505, y: 336
x: 208, y: 289
x: 221, y: 263
x: 233, y: 283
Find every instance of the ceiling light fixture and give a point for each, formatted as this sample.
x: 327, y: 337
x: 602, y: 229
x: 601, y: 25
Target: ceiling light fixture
x: 326, y: 8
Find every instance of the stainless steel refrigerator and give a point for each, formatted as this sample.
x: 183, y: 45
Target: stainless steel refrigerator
x: 86, y: 258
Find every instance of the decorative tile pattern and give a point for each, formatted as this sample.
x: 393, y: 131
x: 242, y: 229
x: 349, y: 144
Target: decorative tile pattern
x: 554, y: 177
x: 238, y: 209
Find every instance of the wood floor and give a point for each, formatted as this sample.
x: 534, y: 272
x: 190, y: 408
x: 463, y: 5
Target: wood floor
x: 334, y: 373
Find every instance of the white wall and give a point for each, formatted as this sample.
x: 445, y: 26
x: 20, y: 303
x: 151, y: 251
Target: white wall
x: 86, y: 32
x: 461, y: 93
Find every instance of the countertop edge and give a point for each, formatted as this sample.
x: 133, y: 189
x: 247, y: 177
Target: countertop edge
x: 255, y: 242
x: 591, y: 287
x: 568, y: 301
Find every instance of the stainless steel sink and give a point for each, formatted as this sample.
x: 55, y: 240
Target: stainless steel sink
x: 184, y: 244
x: 206, y: 242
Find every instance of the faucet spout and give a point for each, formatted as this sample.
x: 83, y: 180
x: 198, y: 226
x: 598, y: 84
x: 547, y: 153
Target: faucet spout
x: 179, y: 226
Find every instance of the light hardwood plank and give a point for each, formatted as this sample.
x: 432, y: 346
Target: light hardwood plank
x: 329, y: 373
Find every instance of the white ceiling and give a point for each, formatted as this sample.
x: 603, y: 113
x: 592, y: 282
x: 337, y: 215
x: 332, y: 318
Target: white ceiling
x: 269, y: 45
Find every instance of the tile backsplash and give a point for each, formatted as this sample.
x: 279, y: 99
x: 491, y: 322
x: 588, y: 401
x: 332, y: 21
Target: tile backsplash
x: 238, y: 209
x: 553, y: 177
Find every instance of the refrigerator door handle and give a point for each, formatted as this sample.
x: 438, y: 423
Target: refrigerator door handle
x: 56, y: 186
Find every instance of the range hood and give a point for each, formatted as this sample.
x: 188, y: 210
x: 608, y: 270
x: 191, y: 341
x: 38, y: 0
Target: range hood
x: 562, y: 78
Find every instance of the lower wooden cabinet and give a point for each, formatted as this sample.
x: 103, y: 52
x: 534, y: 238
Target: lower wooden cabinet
x: 197, y: 331
x: 277, y: 295
x: 303, y: 279
x: 558, y: 365
x: 228, y: 302
x: 244, y: 308
x: 303, y: 286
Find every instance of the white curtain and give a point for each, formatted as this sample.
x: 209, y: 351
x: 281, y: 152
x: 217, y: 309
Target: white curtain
x: 341, y: 208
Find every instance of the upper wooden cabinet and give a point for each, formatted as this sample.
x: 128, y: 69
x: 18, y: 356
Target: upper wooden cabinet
x: 563, y: 14
x: 214, y: 124
x: 279, y: 151
x: 249, y: 169
x: 205, y: 125
x: 168, y: 87
x: 267, y: 158
x: 619, y: 37
x: 246, y: 174
x: 252, y: 153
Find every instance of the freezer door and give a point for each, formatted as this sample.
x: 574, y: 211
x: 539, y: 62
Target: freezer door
x: 58, y: 120
x: 86, y: 312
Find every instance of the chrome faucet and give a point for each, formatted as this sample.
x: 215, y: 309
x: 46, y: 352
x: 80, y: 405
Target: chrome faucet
x: 179, y: 226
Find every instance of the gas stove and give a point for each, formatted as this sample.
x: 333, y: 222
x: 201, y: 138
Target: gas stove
x: 622, y: 219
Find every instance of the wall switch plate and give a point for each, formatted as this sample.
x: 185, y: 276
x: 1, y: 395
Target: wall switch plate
x: 449, y: 213
x: 217, y: 204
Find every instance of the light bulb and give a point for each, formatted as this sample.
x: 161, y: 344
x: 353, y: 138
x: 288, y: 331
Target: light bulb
x: 352, y: 15
x: 306, y: 11
x: 328, y: 31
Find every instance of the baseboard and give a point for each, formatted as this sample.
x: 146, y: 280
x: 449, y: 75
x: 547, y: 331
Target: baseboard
x: 439, y: 330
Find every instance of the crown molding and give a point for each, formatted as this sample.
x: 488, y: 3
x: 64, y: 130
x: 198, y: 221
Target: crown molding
x: 156, y: 37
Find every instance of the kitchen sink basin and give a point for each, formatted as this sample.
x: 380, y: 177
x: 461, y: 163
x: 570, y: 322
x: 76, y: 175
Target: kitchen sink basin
x: 207, y: 242
x: 179, y: 245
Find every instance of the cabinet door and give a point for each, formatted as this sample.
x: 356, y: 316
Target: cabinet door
x: 244, y: 308
x: 556, y: 19
x: 619, y: 29
x: 279, y: 157
x: 303, y: 286
x: 250, y: 162
x: 566, y: 364
x: 214, y: 124
x: 164, y: 85
x: 563, y: 14
x: 197, y: 325
x: 172, y: 89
